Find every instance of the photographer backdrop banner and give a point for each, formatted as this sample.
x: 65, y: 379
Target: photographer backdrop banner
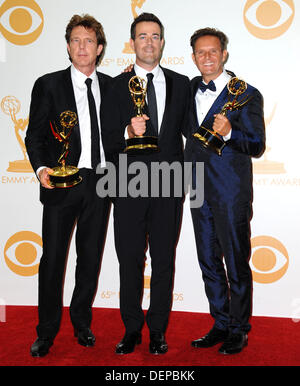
x: 264, y: 50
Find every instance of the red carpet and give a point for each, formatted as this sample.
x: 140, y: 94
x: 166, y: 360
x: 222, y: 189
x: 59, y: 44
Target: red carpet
x: 272, y: 342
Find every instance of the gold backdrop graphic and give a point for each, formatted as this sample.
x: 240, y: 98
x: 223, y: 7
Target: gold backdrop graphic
x: 10, y: 105
x: 134, y: 5
x: 268, y: 265
x: 25, y: 253
x: 268, y: 19
x: 264, y: 165
x: 25, y: 21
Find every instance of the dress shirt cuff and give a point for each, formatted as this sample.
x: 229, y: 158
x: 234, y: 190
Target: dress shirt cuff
x: 227, y: 137
x: 126, y: 136
x: 38, y: 171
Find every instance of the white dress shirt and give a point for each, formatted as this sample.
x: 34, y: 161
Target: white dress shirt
x: 204, y: 100
x: 159, y: 83
x: 82, y: 104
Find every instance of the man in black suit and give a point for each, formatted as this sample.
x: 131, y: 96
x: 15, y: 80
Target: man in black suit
x: 79, y: 89
x: 138, y: 218
x: 222, y: 223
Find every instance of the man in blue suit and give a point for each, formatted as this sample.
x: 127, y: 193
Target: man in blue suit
x: 222, y: 223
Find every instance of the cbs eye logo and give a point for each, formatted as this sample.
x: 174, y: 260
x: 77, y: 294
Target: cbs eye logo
x: 269, y: 261
x: 268, y: 19
x: 21, y: 253
x: 21, y: 21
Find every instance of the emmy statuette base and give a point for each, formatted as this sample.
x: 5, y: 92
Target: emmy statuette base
x: 210, y: 139
x: 66, y: 177
x: 141, y: 145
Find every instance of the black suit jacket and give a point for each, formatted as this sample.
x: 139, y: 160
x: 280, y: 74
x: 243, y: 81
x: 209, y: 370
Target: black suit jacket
x: 51, y: 95
x: 119, y: 109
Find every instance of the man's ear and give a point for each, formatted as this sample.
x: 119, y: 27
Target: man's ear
x: 99, y: 49
x: 131, y: 42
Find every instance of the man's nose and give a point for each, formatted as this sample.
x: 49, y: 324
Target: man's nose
x: 82, y: 44
x: 149, y: 40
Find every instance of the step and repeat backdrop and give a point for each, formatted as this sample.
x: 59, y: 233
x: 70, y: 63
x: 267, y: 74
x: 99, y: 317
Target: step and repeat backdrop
x: 264, y: 50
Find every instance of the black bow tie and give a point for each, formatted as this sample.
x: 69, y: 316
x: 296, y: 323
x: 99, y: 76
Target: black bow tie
x: 203, y: 87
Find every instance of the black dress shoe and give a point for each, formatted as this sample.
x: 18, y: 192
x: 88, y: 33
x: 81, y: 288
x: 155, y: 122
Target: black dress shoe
x: 234, y: 343
x: 157, y: 345
x: 127, y: 344
x: 214, y: 337
x: 85, y: 337
x: 41, y: 347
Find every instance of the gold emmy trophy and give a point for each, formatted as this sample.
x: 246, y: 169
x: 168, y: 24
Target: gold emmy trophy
x: 64, y: 176
x: 142, y: 144
x: 208, y: 137
x: 134, y: 4
x: 10, y: 105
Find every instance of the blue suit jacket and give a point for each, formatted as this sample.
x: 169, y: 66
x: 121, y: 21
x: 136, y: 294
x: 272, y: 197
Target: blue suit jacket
x: 228, y: 178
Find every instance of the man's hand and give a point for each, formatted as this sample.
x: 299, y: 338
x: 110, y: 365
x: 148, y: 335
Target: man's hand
x: 44, y: 178
x: 137, y: 126
x: 129, y: 68
x: 221, y: 125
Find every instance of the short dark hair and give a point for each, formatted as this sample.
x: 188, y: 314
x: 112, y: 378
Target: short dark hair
x: 211, y: 32
x: 88, y: 22
x: 146, y: 17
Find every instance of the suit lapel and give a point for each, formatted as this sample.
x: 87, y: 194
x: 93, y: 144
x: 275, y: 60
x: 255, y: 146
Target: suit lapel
x: 167, y: 111
x: 194, y: 89
x: 69, y: 90
x: 215, y: 108
x: 129, y: 75
x: 71, y: 103
x: 102, y: 91
x: 102, y: 85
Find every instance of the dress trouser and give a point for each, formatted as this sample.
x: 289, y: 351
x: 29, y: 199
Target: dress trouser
x: 223, y: 230
x: 81, y: 207
x: 139, y: 222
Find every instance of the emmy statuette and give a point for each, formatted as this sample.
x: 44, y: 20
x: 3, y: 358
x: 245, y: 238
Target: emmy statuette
x: 143, y: 144
x: 209, y: 138
x: 64, y: 176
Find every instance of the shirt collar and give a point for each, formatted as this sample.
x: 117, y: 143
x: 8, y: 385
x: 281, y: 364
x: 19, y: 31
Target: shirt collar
x: 222, y: 80
x: 80, y: 78
x: 142, y: 73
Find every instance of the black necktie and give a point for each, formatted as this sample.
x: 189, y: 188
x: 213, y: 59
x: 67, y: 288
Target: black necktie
x: 152, y: 107
x: 203, y: 87
x: 95, y: 139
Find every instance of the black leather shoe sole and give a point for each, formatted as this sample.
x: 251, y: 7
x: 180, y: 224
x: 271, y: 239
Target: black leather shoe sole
x: 234, y: 346
x: 158, y: 348
x: 128, y: 343
x: 214, y: 337
x: 158, y: 344
x: 40, y: 348
x: 85, y: 337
